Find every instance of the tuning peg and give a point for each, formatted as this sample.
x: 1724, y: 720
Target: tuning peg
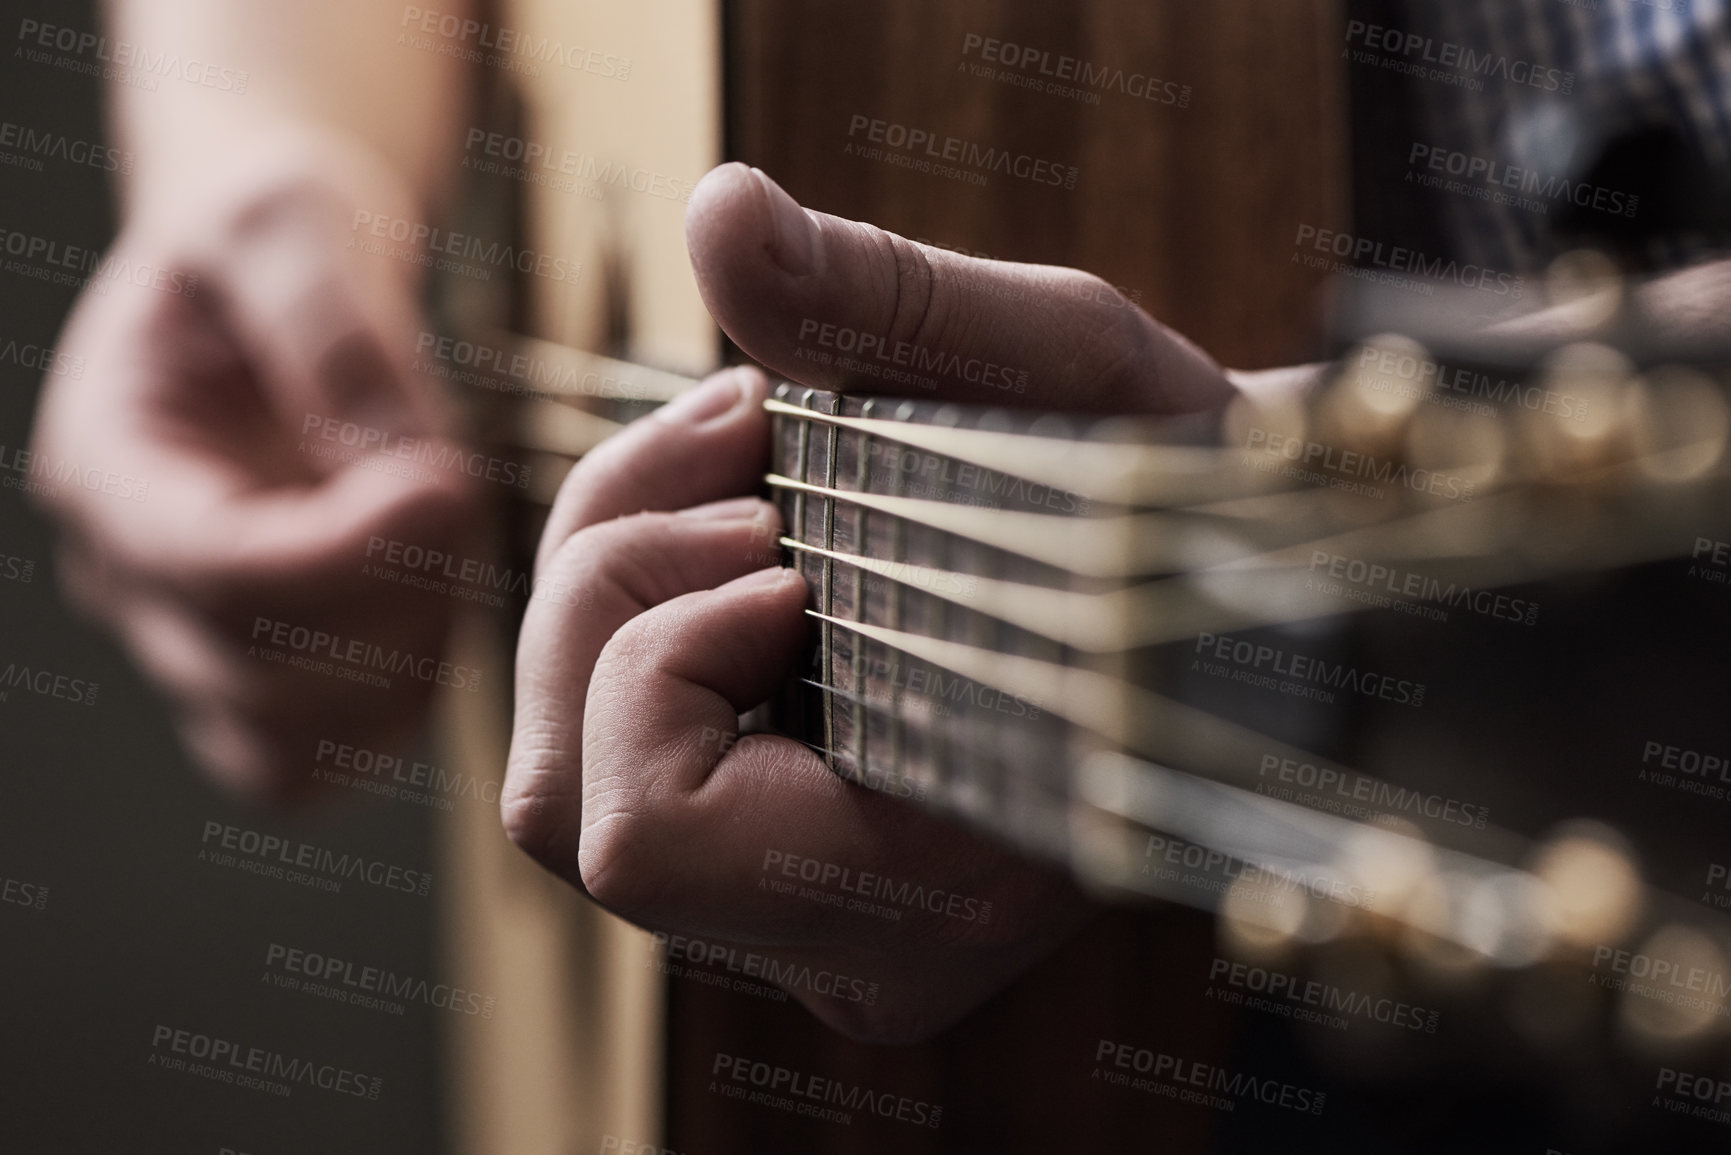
x: 1436, y: 937
x: 1680, y: 998
x: 1562, y: 449
x: 1366, y: 407
x: 1677, y: 420
x: 1592, y: 888
x: 1462, y: 443
x: 1260, y: 918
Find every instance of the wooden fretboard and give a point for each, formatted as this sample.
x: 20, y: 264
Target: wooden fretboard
x: 1004, y: 604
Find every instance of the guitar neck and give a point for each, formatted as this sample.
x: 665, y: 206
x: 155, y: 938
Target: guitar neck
x: 1002, y: 601
x: 865, y: 516
x: 1000, y: 644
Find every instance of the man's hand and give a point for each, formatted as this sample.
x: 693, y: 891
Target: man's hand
x: 627, y: 774
x: 775, y: 275
x: 216, y: 398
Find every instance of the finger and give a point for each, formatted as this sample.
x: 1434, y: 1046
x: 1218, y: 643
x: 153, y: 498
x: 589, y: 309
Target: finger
x: 248, y: 762
x: 714, y: 655
x: 282, y: 661
x: 332, y: 328
x: 203, y: 508
x: 325, y: 336
x: 670, y: 796
x: 597, y: 581
x: 835, y: 304
x: 269, y: 703
x: 710, y: 444
x: 646, y: 794
x: 298, y: 550
x: 677, y: 821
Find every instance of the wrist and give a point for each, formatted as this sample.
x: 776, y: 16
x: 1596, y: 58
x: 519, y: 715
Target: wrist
x: 221, y: 176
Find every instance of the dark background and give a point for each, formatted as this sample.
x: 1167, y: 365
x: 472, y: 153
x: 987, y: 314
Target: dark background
x: 98, y: 804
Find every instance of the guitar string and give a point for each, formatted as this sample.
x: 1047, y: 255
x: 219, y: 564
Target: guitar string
x: 1176, y: 538
x: 1176, y: 624
x: 548, y: 366
x: 1212, y: 726
x: 1302, y: 845
x: 832, y: 437
x: 1168, y: 613
x: 1265, y: 590
x: 1103, y: 723
x: 1182, y: 539
x: 1286, y: 506
x: 1122, y: 472
x: 1487, y: 544
x: 1135, y: 719
x: 1110, y: 471
x: 670, y: 385
x: 1149, y: 885
x: 1225, y: 492
x: 936, y: 443
x: 1205, y: 747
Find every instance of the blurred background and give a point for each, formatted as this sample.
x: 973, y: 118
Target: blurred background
x: 115, y: 924
x: 99, y: 806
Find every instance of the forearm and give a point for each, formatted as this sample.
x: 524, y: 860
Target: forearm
x: 332, y: 63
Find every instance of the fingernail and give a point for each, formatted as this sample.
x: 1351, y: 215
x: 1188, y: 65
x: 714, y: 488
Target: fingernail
x: 710, y: 399
x: 736, y: 508
x: 794, y: 249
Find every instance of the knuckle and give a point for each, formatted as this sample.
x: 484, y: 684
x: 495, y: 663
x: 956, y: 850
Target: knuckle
x: 590, y: 563
x: 614, y: 465
x: 530, y: 823
x: 274, y: 196
x: 621, y: 860
x: 538, y: 820
x: 1113, y: 343
x: 646, y: 559
x: 920, y: 314
x: 634, y: 672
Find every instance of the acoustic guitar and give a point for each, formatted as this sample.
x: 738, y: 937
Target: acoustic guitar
x: 1104, y: 641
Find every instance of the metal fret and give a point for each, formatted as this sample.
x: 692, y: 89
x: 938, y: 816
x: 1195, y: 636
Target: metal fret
x: 897, y: 612
x: 792, y: 439
x: 802, y: 469
x: 861, y: 535
x: 827, y: 598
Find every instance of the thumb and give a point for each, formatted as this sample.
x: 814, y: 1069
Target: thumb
x: 836, y: 304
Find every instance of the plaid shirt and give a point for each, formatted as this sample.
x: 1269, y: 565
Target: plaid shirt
x: 1509, y: 102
